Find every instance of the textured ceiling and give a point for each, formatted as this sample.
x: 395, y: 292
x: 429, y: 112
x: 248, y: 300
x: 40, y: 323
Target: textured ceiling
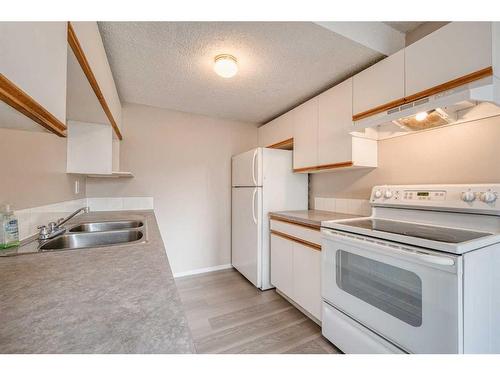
x: 281, y: 64
x: 404, y: 27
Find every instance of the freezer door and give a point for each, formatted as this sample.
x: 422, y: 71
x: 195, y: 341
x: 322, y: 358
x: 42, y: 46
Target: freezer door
x: 246, y: 239
x: 247, y: 168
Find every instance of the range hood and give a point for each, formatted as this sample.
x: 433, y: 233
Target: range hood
x: 472, y: 101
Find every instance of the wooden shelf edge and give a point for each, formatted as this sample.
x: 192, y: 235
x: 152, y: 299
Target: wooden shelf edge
x: 15, y: 97
x: 317, y: 168
x: 82, y: 60
x: 106, y: 175
x: 460, y: 81
x: 287, y: 144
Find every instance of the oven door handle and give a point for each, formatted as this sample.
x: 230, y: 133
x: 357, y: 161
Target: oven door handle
x: 435, y: 259
x: 406, y: 253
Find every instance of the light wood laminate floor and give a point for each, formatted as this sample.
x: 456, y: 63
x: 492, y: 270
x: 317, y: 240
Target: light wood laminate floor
x: 227, y: 314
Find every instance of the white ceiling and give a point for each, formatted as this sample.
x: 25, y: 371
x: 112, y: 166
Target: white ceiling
x: 170, y: 65
x: 405, y: 27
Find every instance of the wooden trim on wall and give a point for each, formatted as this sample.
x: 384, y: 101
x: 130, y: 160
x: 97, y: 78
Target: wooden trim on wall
x: 82, y: 59
x: 311, y: 245
x: 22, y: 102
x: 317, y: 168
x: 287, y: 144
x: 289, y: 221
x: 483, y: 73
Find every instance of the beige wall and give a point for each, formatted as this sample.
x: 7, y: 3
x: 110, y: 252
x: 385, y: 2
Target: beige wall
x: 183, y: 161
x: 34, y: 169
x: 467, y: 153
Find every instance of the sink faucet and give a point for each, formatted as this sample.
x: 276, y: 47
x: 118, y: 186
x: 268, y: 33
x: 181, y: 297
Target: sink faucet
x: 56, y: 228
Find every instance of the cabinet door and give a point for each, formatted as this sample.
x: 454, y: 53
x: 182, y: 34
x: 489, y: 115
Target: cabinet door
x: 282, y: 264
x: 455, y: 50
x: 335, y: 124
x: 34, y: 57
x: 305, y: 141
x: 380, y: 84
x: 278, y: 130
x: 307, y: 278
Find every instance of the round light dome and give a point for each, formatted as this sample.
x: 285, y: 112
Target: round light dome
x: 226, y: 66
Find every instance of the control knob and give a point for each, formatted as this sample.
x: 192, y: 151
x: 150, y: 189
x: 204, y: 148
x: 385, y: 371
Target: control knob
x: 388, y: 194
x: 488, y: 197
x: 377, y: 194
x: 468, y: 196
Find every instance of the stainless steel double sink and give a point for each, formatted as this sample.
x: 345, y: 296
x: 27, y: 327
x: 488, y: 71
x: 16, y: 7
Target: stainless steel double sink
x: 98, y: 234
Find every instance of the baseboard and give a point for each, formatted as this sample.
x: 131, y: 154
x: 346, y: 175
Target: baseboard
x: 202, y: 270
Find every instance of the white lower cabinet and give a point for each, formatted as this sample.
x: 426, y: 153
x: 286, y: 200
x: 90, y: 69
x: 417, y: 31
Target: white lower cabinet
x: 296, y: 271
x: 282, y: 264
x: 307, y: 278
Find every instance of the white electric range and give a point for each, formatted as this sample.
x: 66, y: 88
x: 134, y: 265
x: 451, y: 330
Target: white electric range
x: 421, y: 275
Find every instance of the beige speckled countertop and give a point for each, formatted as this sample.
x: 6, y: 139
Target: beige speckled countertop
x: 114, y: 299
x: 312, y: 218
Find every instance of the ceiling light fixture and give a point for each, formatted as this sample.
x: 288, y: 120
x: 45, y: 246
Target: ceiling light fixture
x: 421, y: 116
x: 226, y: 65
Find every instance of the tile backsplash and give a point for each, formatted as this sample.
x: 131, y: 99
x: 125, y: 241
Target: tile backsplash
x: 31, y: 218
x: 343, y: 205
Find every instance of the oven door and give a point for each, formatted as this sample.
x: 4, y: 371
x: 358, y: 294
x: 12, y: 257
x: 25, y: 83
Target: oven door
x: 408, y: 295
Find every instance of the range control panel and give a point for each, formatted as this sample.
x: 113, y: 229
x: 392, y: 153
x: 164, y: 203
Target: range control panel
x: 474, y: 197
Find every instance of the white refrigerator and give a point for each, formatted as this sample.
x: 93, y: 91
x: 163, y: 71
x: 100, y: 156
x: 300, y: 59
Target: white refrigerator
x: 262, y: 181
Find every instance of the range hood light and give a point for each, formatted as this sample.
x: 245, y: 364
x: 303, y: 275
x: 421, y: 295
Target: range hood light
x: 421, y: 116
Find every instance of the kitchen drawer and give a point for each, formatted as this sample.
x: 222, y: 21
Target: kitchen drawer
x: 298, y: 231
x: 351, y: 337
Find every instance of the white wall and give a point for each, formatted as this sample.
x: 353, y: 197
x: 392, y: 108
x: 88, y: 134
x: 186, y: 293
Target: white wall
x: 183, y: 161
x: 33, y: 171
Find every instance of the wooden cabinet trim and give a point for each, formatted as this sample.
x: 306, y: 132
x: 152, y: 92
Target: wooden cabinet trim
x: 287, y: 144
x: 289, y: 221
x: 82, y: 60
x: 483, y: 73
x: 298, y: 240
x: 344, y: 164
x: 379, y: 109
x: 22, y: 102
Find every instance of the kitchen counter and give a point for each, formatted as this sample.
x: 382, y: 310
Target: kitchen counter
x: 310, y: 218
x: 115, y: 299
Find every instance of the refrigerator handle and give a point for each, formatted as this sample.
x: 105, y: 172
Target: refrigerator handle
x: 253, y: 206
x: 253, y: 166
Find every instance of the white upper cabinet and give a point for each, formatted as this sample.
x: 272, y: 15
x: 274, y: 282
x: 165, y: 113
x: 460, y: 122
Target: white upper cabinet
x: 305, y: 139
x: 335, y: 124
x: 380, y: 84
x: 278, y: 130
x: 453, y: 51
x: 33, y: 59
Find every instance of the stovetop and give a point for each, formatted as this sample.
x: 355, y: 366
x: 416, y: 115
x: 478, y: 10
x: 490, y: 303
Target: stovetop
x: 428, y: 232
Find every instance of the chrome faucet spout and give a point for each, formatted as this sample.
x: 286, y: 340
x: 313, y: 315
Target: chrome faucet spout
x: 63, y: 221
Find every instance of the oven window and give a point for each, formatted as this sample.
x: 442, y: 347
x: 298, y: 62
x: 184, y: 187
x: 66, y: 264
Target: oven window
x: 396, y: 291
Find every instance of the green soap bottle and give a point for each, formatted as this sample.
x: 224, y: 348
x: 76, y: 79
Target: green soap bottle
x: 9, y: 228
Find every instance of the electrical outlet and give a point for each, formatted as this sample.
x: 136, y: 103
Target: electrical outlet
x: 77, y: 186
